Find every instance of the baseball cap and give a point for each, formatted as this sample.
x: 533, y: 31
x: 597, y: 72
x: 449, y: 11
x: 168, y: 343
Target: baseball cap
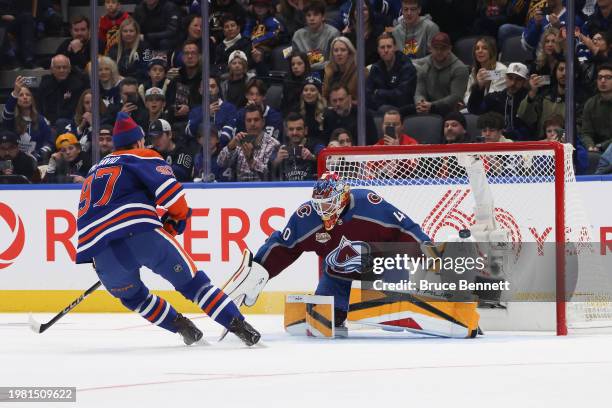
x: 519, y: 69
x: 158, y: 127
x: 6, y: 136
x: 106, y: 129
x: 155, y: 93
x: 237, y: 54
x: 64, y: 139
x: 441, y: 40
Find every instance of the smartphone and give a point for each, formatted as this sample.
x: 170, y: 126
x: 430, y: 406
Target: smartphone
x: 295, y: 151
x: 546, y: 10
x: 249, y: 138
x: 545, y: 80
x: 5, y: 165
x: 30, y: 81
x: 132, y: 98
x: 390, y: 131
x: 493, y: 75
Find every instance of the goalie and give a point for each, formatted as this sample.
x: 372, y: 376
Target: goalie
x: 336, y: 224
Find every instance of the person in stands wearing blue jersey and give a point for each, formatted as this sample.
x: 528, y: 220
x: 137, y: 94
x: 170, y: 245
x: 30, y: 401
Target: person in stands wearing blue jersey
x: 119, y: 231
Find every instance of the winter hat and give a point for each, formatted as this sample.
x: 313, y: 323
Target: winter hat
x: 158, y: 61
x: 314, y: 80
x: 126, y: 131
x: 458, y: 116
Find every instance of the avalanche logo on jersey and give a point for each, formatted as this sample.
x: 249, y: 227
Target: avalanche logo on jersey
x: 347, y: 257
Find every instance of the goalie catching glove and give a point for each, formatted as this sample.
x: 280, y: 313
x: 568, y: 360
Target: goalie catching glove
x: 247, y: 282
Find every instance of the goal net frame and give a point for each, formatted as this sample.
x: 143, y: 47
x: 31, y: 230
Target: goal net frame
x: 563, y: 173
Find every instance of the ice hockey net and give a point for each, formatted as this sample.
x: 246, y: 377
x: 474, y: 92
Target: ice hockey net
x: 535, y: 199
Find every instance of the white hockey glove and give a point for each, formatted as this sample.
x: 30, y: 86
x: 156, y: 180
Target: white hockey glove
x: 247, y: 282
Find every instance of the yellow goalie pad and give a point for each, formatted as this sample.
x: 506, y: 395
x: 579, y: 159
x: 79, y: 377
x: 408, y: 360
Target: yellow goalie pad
x: 309, y: 315
x: 414, y: 313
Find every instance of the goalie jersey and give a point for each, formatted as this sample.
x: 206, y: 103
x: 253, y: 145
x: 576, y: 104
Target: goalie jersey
x: 367, y: 218
x: 119, y: 198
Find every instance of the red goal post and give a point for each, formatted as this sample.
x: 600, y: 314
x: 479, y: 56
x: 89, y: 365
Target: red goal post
x: 433, y: 186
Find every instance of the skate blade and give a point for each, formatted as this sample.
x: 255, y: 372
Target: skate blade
x: 239, y: 301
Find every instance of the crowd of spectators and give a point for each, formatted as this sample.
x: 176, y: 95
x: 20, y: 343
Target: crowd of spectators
x: 270, y: 123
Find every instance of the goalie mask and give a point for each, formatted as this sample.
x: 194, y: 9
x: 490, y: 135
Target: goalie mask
x: 329, y: 197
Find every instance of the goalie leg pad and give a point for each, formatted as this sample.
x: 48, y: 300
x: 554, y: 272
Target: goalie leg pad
x: 308, y: 315
x: 414, y: 313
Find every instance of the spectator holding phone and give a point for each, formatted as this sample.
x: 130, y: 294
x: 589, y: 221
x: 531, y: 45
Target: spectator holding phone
x: 222, y: 113
x: 249, y: 154
x: 486, y: 68
x: 13, y: 161
x: 536, y: 107
x: 297, y: 159
x: 69, y: 164
x: 21, y: 116
x: 129, y: 103
x: 392, y: 131
x: 504, y: 102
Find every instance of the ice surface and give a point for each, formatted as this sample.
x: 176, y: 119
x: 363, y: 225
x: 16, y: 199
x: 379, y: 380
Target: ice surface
x: 118, y: 360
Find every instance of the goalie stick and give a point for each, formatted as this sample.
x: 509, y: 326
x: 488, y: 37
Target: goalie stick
x: 41, y: 328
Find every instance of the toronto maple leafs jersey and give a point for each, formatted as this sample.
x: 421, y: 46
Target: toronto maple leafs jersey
x: 368, y: 218
x: 119, y: 198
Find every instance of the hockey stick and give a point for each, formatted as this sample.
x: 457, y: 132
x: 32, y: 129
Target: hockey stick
x: 40, y: 328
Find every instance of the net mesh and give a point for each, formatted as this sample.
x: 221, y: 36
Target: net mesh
x: 433, y: 188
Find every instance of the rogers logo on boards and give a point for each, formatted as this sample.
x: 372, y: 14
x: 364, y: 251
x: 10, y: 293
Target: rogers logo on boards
x: 8, y: 255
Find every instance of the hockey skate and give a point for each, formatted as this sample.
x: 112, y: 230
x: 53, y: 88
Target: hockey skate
x: 244, y: 331
x: 188, y: 331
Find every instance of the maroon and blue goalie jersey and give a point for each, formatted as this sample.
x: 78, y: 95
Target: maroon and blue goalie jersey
x: 119, y: 197
x: 368, y: 218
